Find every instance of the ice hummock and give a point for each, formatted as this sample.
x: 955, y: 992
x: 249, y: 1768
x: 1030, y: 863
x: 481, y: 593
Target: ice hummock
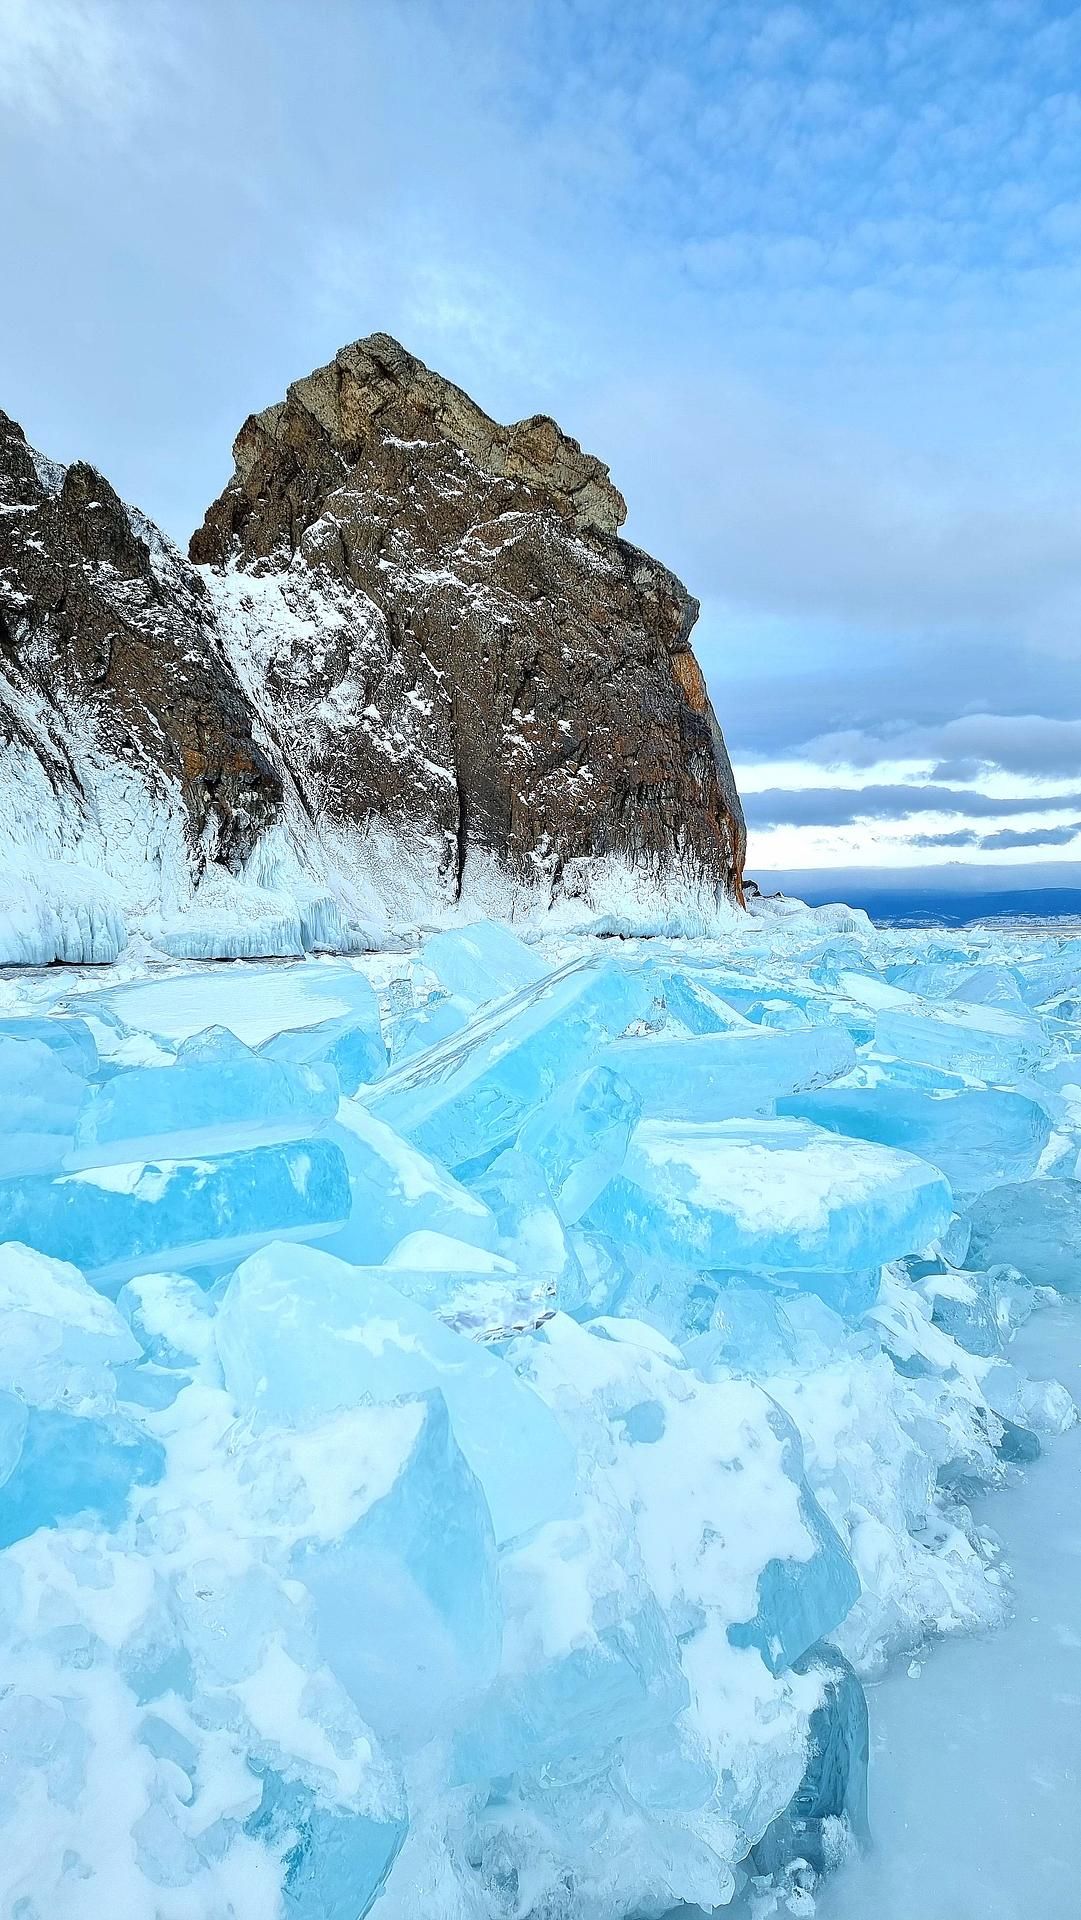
x: 471, y: 1420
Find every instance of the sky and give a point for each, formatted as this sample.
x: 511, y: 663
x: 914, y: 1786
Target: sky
x: 807, y: 276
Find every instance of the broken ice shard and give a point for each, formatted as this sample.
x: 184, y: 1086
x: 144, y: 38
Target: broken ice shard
x: 75, y: 1466
x: 69, y: 1039
x: 481, y: 963
x: 422, y: 1554
x: 718, y: 1076
x: 397, y: 1190
x: 833, y: 1792
x: 114, y: 1222
x: 40, y: 1100
x: 1033, y: 1225
x: 59, y: 1339
x: 770, y: 1194
x: 580, y: 1137
x: 978, y: 1137
x: 301, y: 1334
x: 352, y: 1046
x: 218, y: 1096
x: 987, y: 1042
x: 334, y: 1859
x: 471, y: 1095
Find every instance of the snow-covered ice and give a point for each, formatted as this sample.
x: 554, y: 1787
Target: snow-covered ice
x: 474, y: 1419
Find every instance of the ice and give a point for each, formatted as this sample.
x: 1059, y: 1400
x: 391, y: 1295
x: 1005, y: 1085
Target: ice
x: 424, y: 1558
x: 302, y: 1334
x: 397, y: 1190
x: 40, y: 1101
x: 74, y: 1466
x: 691, y: 1003
x: 481, y: 1294
x: 217, y: 1097
x: 580, y: 1137
x: 530, y: 1229
x: 978, y: 1136
x: 770, y: 1194
x: 1035, y: 1226
x: 114, y: 1222
x: 986, y: 1041
x: 472, y: 1094
x: 353, y: 1048
x: 828, y: 1813
x: 254, y: 1002
x: 481, y: 963
x: 423, y: 1025
x: 523, y: 1548
x: 333, y: 1864
x: 718, y: 1076
x: 59, y: 1338
x: 70, y: 1040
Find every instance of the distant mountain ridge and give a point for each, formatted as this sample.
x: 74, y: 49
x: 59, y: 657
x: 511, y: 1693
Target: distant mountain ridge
x: 410, y: 671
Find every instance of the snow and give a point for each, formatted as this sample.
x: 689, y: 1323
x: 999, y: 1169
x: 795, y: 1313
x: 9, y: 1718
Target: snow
x: 489, y: 1483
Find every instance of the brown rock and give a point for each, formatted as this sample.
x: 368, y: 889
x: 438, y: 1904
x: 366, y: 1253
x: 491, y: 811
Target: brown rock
x: 521, y: 677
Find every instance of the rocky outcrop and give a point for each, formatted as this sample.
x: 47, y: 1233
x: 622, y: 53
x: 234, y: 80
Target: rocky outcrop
x: 411, y: 670
x: 517, y: 680
x: 109, y: 648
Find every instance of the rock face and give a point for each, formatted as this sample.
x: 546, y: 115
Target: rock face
x: 104, y: 630
x: 413, y: 667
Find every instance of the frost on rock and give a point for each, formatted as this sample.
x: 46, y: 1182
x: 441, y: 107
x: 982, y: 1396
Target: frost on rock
x: 474, y: 1475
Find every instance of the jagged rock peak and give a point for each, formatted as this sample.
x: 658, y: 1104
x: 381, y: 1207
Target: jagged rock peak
x: 520, y: 678
x: 376, y: 389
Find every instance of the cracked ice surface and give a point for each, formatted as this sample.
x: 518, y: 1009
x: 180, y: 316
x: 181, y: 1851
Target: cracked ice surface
x: 472, y: 1420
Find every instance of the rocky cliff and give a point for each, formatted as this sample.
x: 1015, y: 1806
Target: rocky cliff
x: 410, y: 671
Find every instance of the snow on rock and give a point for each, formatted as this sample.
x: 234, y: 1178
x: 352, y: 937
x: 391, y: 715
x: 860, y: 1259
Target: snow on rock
x: 415, y: 678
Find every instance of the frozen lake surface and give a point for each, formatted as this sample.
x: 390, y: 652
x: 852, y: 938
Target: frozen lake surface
x: 975, y: 1763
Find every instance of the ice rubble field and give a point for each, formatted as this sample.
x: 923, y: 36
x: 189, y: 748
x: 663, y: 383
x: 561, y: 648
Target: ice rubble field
x: 469, y: 1419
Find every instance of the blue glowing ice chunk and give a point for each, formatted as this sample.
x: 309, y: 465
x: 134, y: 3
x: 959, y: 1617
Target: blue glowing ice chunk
x: 719, y: 1076
x: 770, y: 1194
x: 571, y: 1712
x: 421, y: 1561
x: 40, y: 1100
x: 978, y: 1137
x: 73, y: 1466
x: 531, y: 1233
x: 351, y: 1045
x: 828, y: 1814
x: 397, y: 1190
x: 115, y: 1222
x: 689, y: 1001
x: 800, y: 1601
x: 988, y: 1042
x: 60, y: 1340
x: 424, y: 1025
x: 69, y: 1039
x: 301, y: 1335
x: 580, y: 1137
x: 335, y: 1860
x: 1033, y: 1225
x: 471, y: 1095
x: 482, y: 1295
x: 217, y: 1097
x: 481, y: 963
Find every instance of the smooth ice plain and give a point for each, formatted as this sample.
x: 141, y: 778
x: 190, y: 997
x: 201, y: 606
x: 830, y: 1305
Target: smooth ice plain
x: 478, y: 1425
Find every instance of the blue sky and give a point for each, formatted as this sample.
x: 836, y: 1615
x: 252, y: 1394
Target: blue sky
x: 807, y: 276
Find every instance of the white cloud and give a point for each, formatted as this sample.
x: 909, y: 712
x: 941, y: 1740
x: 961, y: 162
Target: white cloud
x: 65, y: 57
